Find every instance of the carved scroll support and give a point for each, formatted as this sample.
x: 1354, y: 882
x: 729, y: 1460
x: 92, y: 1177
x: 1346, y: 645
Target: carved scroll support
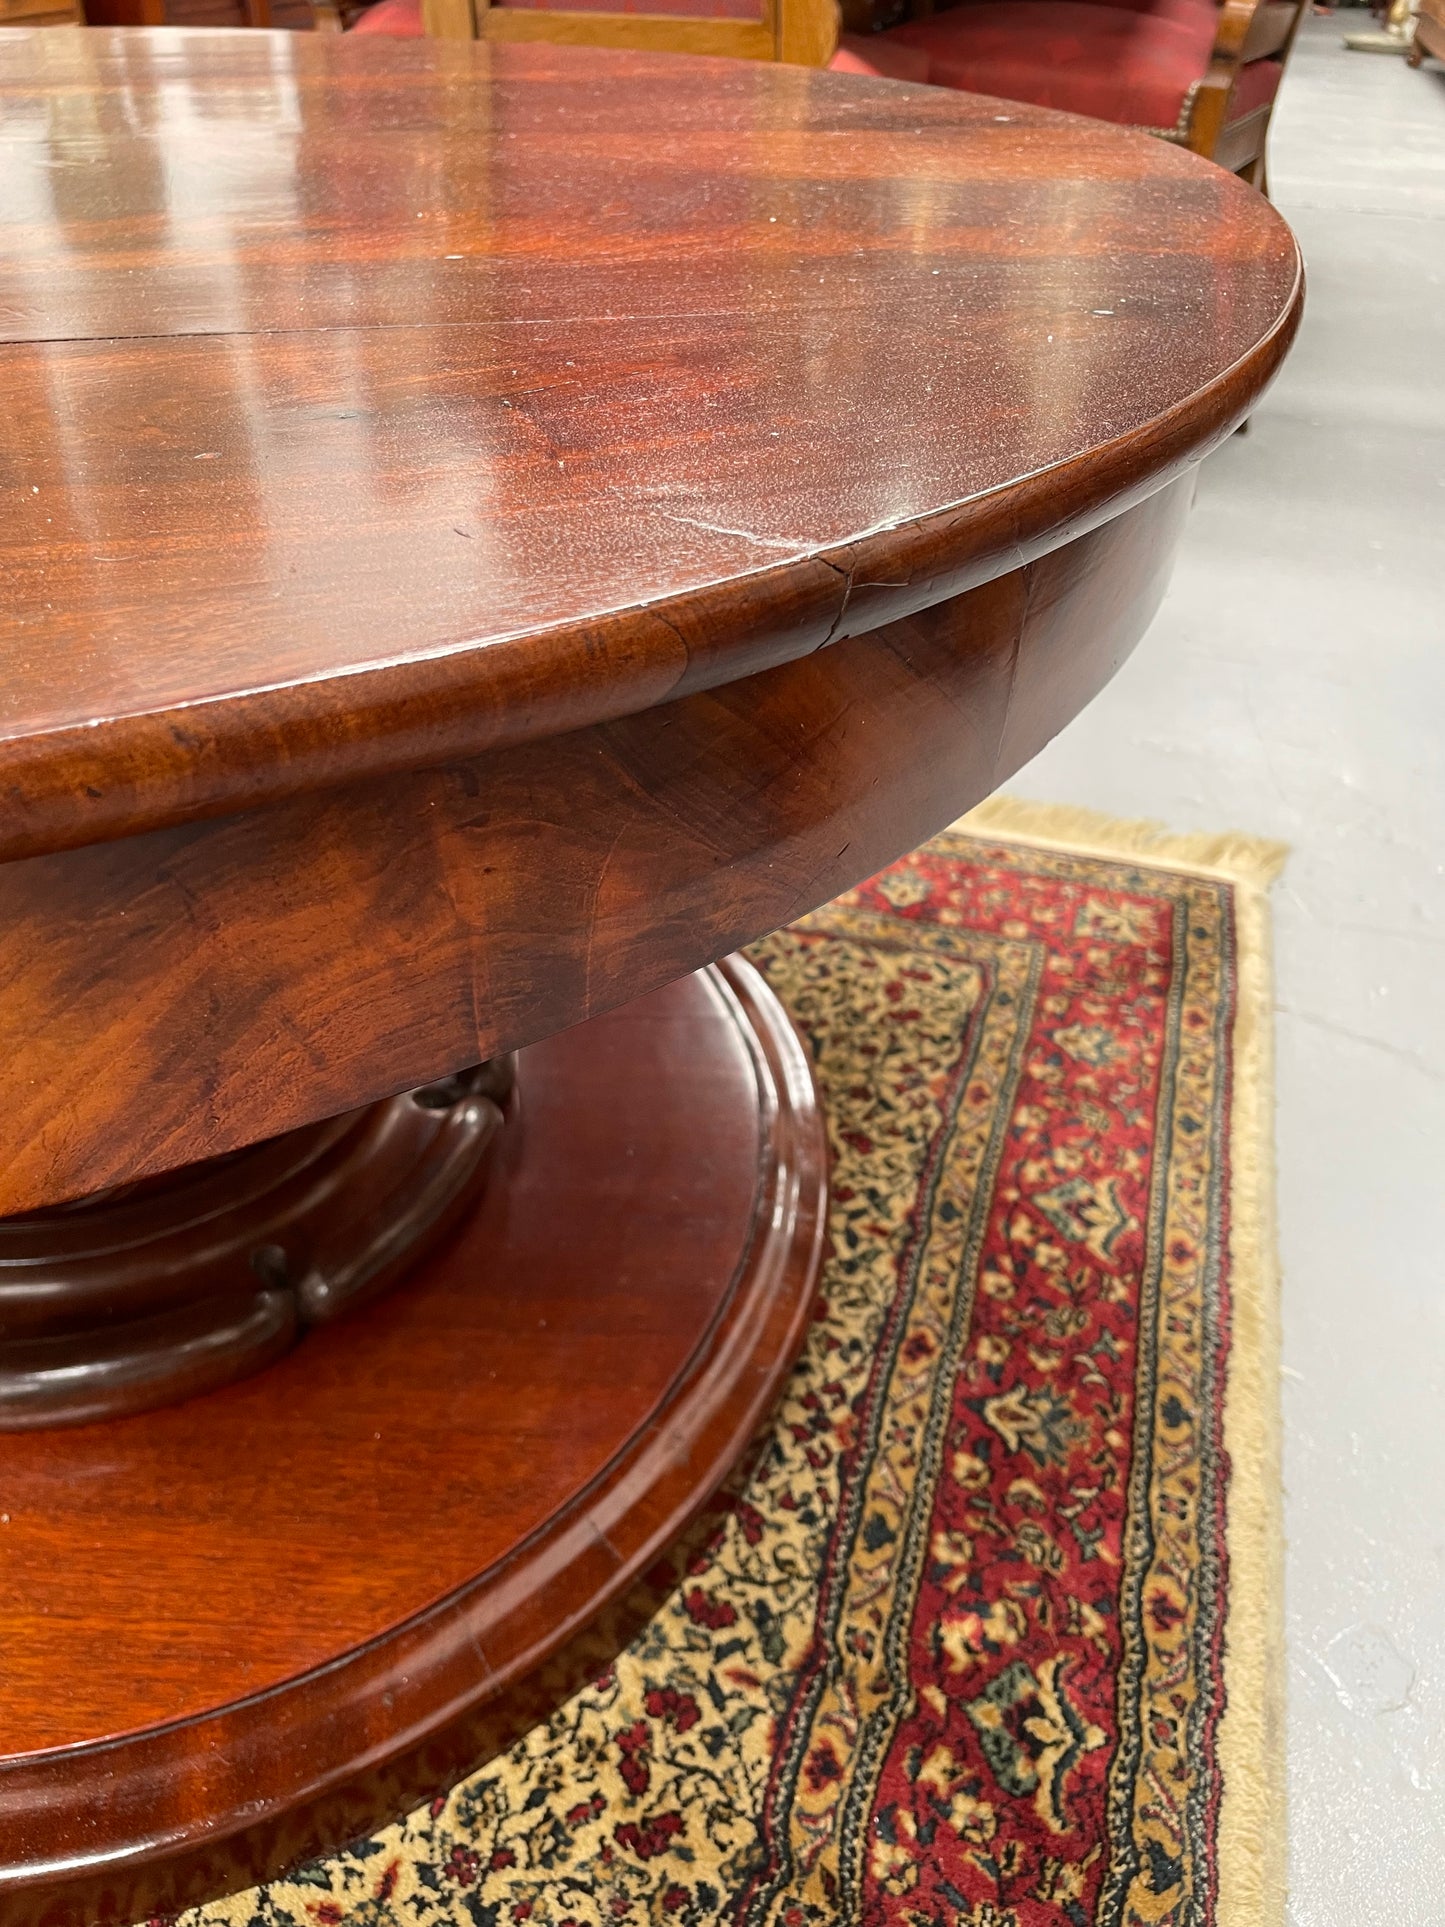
x: 148, y: 1293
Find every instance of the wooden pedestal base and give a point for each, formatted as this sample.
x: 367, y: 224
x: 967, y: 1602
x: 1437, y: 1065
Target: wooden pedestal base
x: 244, y: 1627
x: 156, y: 1291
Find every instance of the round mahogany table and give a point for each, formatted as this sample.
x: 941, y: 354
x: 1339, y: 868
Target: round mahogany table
x: 487, y: 530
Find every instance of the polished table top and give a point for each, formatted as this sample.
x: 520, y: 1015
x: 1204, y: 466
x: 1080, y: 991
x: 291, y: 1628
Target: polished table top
x: 368, y: 397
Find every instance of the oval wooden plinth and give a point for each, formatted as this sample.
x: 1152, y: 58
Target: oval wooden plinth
x: 243, y: 1628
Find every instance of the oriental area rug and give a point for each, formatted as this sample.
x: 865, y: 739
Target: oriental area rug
x: 985, y: 1633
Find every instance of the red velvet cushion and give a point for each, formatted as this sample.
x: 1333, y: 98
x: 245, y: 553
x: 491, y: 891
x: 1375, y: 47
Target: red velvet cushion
x: 1256, y: 87
x: 399, y: 17
x: 1183, y: 11
x: 1114, y: 62
x: 876, y: 53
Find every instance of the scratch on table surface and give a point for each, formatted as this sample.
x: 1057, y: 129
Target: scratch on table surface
x: 746, y: 535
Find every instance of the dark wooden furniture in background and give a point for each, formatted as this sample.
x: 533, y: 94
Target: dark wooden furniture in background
x: 465, y: 566
x: 296, y: 14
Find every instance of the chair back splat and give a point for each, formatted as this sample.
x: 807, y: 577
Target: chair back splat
x: 803, y: 32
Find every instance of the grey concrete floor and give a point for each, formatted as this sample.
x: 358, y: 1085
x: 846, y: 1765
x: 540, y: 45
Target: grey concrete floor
x: 1294, y: 684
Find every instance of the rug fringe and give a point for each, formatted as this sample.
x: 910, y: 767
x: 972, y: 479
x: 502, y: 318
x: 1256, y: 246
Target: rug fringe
x: 1252, y: 1834
x: 1228, y: 853
x: 1252, y: 1842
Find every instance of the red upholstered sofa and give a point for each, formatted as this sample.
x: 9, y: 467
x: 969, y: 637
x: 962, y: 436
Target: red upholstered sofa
x: 1200, y: 72
x: 1193, y: 71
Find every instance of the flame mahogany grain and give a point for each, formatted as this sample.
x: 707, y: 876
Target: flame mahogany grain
x: 486, y: 530
x: 169, y: 996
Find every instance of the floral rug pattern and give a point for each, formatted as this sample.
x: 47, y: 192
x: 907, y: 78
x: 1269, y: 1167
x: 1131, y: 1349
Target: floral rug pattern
x: 951, y: 1652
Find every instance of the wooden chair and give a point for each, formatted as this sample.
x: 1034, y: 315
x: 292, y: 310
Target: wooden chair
x: 804, y: 32
x: 1203, y: 73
